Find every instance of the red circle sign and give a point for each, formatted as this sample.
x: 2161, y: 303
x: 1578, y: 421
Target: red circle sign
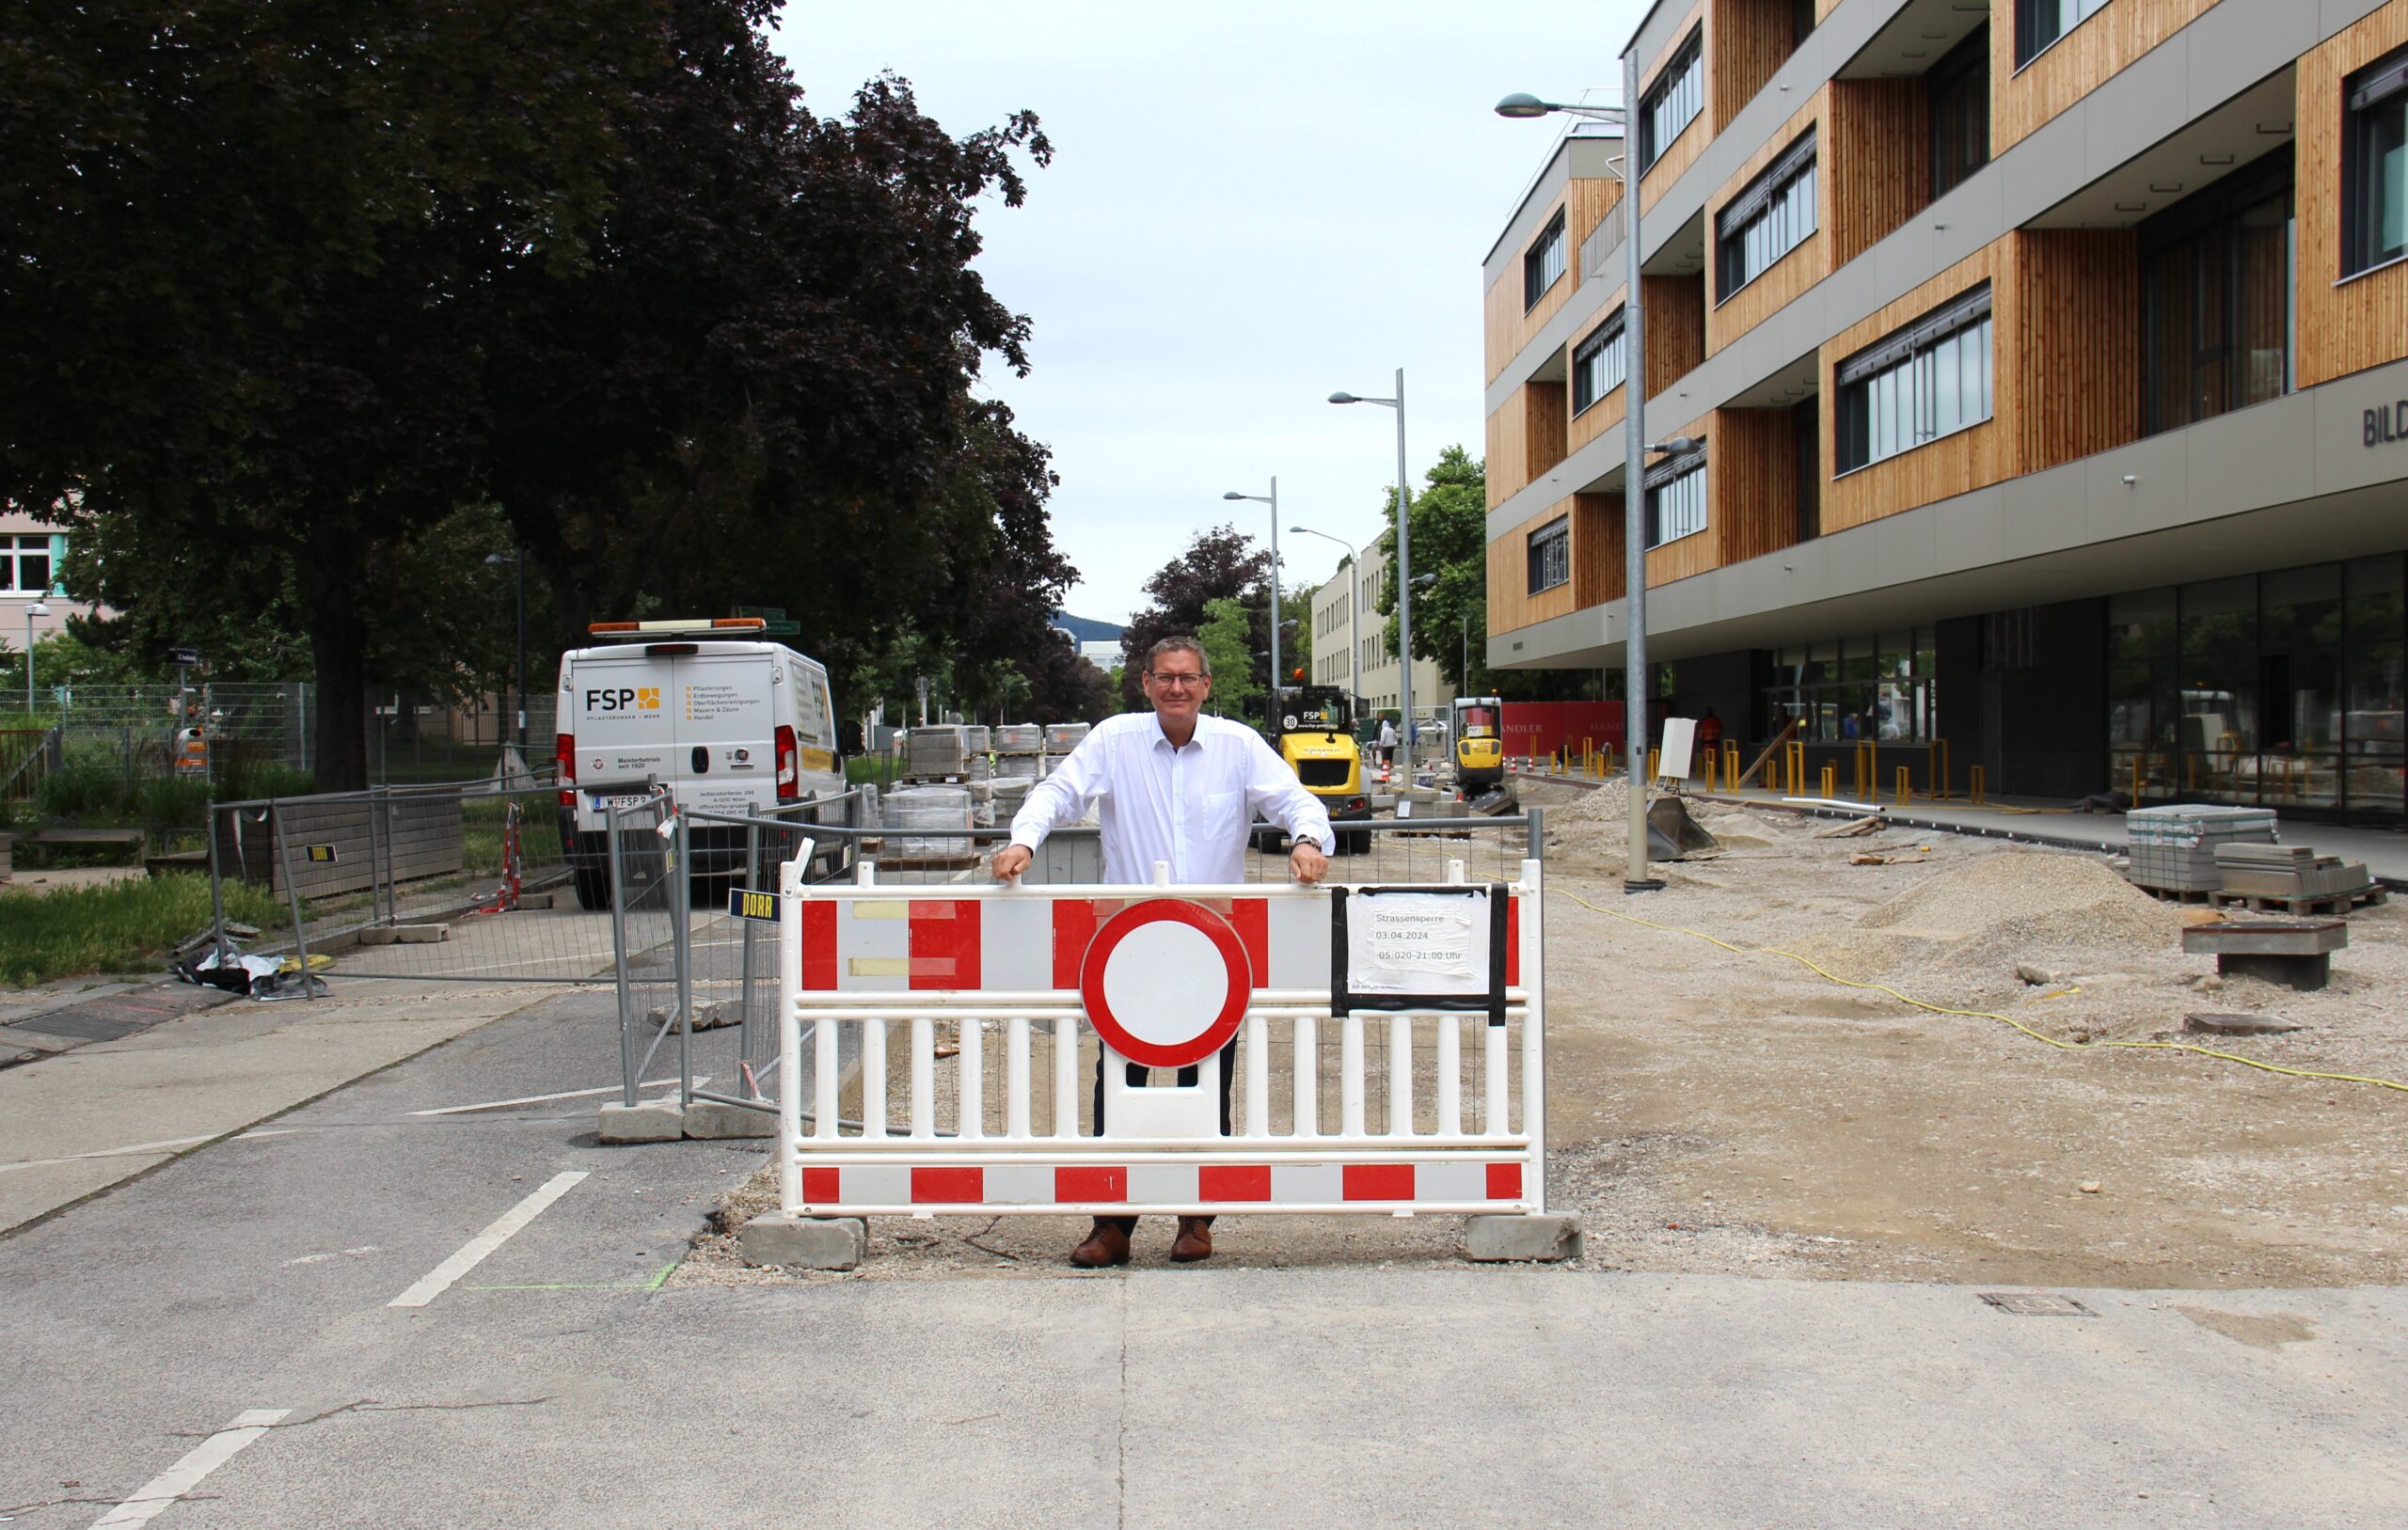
x: 1165, y: 983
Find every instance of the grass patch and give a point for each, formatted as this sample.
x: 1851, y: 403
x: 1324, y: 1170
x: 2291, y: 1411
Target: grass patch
x: 125, y: 926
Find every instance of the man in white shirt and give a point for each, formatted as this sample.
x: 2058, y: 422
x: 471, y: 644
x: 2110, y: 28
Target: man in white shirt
x: 1387, y: 742
x: 1179, y: 788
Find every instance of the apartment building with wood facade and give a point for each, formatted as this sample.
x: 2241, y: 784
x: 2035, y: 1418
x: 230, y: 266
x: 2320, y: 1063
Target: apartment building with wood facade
x: 2050, y: 363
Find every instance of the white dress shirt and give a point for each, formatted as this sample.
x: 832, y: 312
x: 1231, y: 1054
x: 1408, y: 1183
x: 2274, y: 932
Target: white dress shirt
x: 1192, y: 807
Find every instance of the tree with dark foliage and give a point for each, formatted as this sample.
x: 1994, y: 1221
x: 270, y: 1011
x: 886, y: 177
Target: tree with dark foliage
x: 312, y: 278
x: 1221, y: 564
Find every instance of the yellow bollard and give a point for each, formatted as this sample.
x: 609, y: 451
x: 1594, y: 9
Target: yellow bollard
x: 1655, y: 760
x: 1830, y: 781
x: 1905, y: 795
x: 2136, y: 779
x: 1730, y: 764
x: 1712, y: 773
x: 1975, y: 790
x: 1940, y: 772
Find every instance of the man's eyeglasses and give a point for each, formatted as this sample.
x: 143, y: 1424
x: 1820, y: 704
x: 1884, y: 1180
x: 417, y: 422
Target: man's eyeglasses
x: 1176, y: 682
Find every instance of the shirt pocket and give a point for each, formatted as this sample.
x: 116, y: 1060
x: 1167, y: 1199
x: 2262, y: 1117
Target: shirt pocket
x: 1221, y: 813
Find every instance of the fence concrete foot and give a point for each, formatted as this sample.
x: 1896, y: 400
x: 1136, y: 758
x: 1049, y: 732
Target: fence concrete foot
x: 1546, y: 1237
x: 707, y: 1120
x: 647, y: 1121
x: 805, y: 1242
x: 405, y: 935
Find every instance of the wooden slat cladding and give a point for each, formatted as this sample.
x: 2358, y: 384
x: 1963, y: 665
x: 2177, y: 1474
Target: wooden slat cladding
x: 2075, y: 344
x: 1728, y: 318
x: 1746, y: 41
x: 1508, y: 443
x: 1971, y: 458
x: 2344, y: 325
x: 1510, y: 604
x: 2080, y: 62
x: 1544, y: 420
x: 1750, y: 483
x: 1682, y: 151
x: 1676, y: 325
x: 1876, y: 162
x: 1507, y: 327
x: 1596, y: 549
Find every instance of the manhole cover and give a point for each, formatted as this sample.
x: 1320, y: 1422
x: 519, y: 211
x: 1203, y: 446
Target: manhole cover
x: 2036, y: 1304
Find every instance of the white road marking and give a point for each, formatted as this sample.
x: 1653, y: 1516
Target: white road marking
x: 186, y: 1475
x: 339, y: 1254
x: 473, y: 1254
x: 566, y: 1094
x: 135, y: 1150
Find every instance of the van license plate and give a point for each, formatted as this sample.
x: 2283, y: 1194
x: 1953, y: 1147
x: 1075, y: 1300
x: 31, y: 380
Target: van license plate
x: 603, y: 804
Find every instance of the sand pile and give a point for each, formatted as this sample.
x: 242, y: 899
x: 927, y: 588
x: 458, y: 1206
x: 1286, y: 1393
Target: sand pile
x: 1998, y: 909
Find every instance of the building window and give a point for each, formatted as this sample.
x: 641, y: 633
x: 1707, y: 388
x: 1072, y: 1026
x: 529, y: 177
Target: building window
x: 1928, y: 380
x: 1771, y: 217
x: 1673, y: 100
x: 2040, y: 22
x: 1550, y: 555
x: 1860, y: 687
x: 1959, y: 86
x: 1544, y: 263
x: 2216, y: 311
x: 26, y: 564
x: 1597, y: 363
x: 2374, y: 165
x: 1676, y: 499
x: 1801, y: 20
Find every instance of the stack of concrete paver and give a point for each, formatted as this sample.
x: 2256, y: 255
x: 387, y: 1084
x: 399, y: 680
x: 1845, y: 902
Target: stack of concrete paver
x: 1062, y: 737
x: 927, y: 807
x: 2286, y: 872
x: 2173, y: 848
x: 937, y: 753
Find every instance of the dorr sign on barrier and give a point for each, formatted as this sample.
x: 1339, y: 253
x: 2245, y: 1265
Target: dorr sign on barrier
x: 1389, y: 1042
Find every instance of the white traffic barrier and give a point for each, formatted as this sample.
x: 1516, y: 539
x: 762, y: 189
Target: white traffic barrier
x: 1164, y: 977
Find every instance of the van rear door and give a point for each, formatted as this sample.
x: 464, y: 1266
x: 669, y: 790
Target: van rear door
x: 725, y: 712
x: 622, y: 722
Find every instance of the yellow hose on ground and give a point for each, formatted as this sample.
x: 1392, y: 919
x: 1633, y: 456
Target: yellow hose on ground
x: 1984, y: 1014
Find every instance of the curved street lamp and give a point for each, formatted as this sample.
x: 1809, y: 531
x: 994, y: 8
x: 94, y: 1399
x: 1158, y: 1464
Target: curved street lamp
x: 1404, y: 562
x: 1273, y: 500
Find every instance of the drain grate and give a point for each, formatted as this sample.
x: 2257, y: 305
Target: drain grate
x: 2036, y: 1304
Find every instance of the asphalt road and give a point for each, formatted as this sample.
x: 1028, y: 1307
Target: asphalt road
x: 230, y: 1314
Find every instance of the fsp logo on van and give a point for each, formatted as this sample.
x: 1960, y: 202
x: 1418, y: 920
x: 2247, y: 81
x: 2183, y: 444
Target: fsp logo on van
x: 626, y: 698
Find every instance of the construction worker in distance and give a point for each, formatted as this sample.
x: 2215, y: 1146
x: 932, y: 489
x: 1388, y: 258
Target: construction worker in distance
x: 1387, y: 745
x: 1182, y: 788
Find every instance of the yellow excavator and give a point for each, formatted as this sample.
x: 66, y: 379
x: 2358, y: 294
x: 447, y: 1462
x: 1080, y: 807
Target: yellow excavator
x: 1313, y: 729
x: 1479, y: 744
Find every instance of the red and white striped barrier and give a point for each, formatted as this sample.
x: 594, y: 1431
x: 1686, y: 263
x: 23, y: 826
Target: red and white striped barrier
x: 975, y: 975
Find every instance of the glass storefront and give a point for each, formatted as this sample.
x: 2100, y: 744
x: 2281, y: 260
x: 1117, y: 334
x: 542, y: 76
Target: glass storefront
x: 1869, y: 685
x: 2284, y: 689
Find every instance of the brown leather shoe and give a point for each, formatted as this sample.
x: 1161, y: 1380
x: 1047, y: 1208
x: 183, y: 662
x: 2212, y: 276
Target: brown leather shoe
x: 1107, y: 1245
x: 1194, y: 1240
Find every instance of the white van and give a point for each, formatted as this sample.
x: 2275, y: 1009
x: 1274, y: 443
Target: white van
x: 726, y: 721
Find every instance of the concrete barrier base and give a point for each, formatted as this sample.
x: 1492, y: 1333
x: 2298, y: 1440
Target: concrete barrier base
x: 805, y: 1242
x: 1546, y: 1238
x: 646, y: 1121
x: 707, y: 1120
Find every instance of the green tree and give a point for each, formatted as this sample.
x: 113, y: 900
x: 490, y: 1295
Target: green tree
x: 1227, y: 634
x: 1451, y: 541
x: 1221, y: 564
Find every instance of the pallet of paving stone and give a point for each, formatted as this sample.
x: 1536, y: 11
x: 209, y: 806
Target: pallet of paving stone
x: 2326, y: 905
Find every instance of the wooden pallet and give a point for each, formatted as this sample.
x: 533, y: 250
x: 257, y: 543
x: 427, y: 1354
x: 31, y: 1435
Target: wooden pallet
x: 2181, y: 894
x: 2323, y: 903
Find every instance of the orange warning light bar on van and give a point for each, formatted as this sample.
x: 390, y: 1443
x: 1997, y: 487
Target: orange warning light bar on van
x: 718, y: 624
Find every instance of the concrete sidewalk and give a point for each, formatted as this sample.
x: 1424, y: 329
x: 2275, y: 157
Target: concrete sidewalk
x: 101, y: 1112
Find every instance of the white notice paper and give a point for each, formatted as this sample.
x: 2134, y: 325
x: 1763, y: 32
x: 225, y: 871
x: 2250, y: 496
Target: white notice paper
x: 1418, y: 942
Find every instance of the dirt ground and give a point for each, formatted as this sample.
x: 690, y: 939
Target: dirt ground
x: 1739, y: 1111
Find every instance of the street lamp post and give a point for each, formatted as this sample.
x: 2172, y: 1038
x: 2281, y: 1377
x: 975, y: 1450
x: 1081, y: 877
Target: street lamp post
x: 1273, y: 500
x: 1353, y: 614
x: 517, y: 560
x: 1403, y: 565
x: 1634, y: 486
x: 33, y: 608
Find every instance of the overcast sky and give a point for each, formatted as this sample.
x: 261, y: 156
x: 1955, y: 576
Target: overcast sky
x: 1251, y: 206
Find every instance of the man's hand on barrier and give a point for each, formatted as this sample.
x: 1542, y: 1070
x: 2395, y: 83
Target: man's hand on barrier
x: 1308, y: 864
x: 1010, y: 861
